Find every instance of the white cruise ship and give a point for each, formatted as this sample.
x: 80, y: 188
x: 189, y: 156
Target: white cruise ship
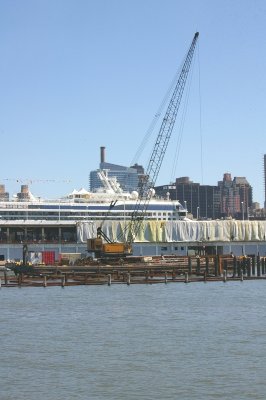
x: 54, y: 224
x: 56, y: 228
x: 109, y: 202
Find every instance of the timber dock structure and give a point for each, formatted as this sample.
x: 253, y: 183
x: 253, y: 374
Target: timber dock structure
x: 137, y: 270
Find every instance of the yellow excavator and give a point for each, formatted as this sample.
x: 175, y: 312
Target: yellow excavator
x: 102, y: 246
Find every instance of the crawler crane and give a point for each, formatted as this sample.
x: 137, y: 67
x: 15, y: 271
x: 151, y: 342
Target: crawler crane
x: 120, y: 249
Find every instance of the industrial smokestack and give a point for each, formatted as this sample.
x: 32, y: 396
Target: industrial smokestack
x: 102, y: 154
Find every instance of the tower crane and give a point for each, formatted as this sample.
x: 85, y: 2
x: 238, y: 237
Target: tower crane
x: 29, y: 181
x: 146, y: 188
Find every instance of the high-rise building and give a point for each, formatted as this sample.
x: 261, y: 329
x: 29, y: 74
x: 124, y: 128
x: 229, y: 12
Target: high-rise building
x: 230, y: 198
x: 202, y: 201
x: 236, y: 196
x: 264, y: 181
x: 127, y: 177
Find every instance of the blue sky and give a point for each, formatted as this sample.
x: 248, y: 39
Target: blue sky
x: 77, y: 75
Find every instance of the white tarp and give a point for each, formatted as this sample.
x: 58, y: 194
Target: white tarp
x: 86, y: 230
x: 180, y: 231
x: 35, y: 257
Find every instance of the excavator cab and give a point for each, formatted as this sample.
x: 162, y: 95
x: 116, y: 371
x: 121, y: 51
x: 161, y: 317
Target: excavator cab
x: 107, y: 248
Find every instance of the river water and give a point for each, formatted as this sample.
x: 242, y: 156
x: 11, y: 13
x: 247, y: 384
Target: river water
x: 162, y: 341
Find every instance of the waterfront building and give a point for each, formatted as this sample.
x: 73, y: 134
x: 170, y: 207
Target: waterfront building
x: 63, y: 226
x: 157, y: 237
x: 202, y: 201
x: 230, y: 198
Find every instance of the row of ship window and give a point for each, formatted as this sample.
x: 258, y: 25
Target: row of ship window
x: 50, y: 215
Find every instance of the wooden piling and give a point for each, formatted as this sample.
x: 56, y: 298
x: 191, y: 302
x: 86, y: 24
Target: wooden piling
x: 248, y: 262
x: 44, y: 281
x: 189, y: 266
x: 263, y: 266
x: 198, y: 266
x: 5, y: 278
x: 216, y: 265
x: 234, y: 267
x: 207, y: 265
x: 147, y: 275
x: 173, y: 275
x: 109, y: 279
x: 258, y: 266
x: 239, y: 268
x: 186, y: 277
x: 19, y: 280
x: 253, y: 265
x: 63, y: 281
x: 224, y: 266
x: 165, y: 277
x: 128, y: 279
x: 225, y: 275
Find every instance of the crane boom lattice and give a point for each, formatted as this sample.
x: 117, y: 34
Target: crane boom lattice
x: 160, y: 147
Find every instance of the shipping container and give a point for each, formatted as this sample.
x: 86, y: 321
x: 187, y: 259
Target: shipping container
x: 48, y: 257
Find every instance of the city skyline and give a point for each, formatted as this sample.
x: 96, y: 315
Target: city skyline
x: 76, y: 76
x: 238, y: 189
x: 164, y: 183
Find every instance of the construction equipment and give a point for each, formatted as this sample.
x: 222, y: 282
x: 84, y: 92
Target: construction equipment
x: 108, y: 248
x: 111, y: 248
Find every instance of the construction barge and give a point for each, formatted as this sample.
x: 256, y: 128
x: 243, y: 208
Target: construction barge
x: 136, y: 270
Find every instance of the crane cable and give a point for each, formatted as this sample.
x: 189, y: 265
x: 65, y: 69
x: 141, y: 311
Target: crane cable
x: 157, y: 115
x: 181, y: 129
x: 182, y: 123
x: 200, y: 121
x: 161, y: 143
